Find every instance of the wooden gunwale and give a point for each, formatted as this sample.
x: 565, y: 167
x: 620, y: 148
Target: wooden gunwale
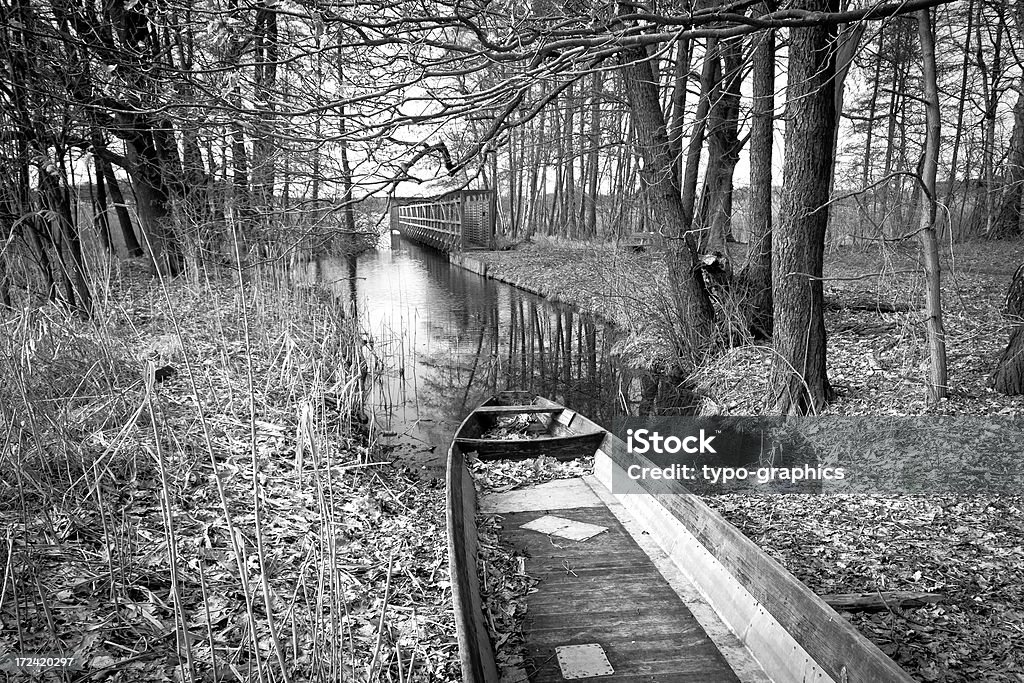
x: 475, y: 650
x: 513, y: 409
x: 791, y: 632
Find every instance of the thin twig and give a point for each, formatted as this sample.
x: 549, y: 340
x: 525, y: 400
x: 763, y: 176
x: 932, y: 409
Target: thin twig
x: 380, y: 627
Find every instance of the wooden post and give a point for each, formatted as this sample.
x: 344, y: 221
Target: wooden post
x: 492, y: 219
x: 460, y: 207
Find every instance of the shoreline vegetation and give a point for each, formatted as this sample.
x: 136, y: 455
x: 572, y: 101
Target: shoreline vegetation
x: 227, y: 523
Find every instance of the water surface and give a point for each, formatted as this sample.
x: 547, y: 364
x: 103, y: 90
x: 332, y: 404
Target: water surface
x: 447, y: 339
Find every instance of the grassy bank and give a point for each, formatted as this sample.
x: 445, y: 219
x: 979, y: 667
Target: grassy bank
x: 877, y: 355
x: 228, y: 523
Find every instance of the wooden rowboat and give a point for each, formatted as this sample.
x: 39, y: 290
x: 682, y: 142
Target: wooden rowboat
x: 551, y: 433
x: 669, y: 591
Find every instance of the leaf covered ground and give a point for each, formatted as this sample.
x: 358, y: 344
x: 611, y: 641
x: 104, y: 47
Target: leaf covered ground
x: 969, y: 549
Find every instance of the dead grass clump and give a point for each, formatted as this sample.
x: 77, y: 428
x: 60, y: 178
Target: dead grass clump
x: 735, y: 383
x: 63, y: 385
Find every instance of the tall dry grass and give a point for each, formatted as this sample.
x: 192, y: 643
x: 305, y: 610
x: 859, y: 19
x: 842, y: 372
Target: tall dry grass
x: 220, y: 526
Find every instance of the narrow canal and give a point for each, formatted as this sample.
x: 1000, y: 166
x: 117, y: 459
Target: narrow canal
x: 447, y: 338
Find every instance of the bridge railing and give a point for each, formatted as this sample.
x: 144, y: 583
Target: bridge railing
x: 455, y: 222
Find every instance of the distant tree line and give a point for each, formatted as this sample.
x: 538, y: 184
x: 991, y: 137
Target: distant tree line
x: 195, y: 125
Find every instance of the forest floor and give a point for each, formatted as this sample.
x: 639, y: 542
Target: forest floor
x: 130, y: 539
x: 967, y: 546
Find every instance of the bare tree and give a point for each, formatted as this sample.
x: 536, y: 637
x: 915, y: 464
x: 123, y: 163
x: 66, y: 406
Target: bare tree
x: 935, y: 332
x: 755, y: 279
x: 799, y: 377
x: 692, y: 307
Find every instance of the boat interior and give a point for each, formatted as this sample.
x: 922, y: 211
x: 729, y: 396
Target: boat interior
x: 642, y: 582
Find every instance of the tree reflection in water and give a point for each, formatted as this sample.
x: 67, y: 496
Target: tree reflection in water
x: 447, y: 339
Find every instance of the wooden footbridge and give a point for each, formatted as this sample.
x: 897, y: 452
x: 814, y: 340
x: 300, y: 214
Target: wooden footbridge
x: 456, y: 221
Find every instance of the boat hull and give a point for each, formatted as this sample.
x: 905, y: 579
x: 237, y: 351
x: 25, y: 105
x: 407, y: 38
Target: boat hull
x: 789, y: 633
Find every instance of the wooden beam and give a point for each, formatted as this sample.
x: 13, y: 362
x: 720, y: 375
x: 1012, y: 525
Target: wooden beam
x: 497, y: 410
x: 880, y: 601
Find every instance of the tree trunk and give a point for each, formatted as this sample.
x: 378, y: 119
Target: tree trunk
x: 348, y: 210
x: 959, y: 133
x: 849, y: 40
x: 1007, y: 222
x: 69, y: 249
x: 152, y: 200
x: 263, y: 171
x: 678, y: 101
x: 538, y: 174
x: 624, y: 188
x: 936, y: 335
x: 239, y: 156
x: 1008, y: 377
x: 897, y: 92
x: 724, y: 151
x: 124, y: 218
x: 691, y: 327
x: 197, y: 183
x: 100, y: 217
x: 990, y: 65
x: 876, y: 84
x: 799, y: 379
x: 708, y: 78
x: 593, y: 159
x: 755, y: 280
x: 567, y: 210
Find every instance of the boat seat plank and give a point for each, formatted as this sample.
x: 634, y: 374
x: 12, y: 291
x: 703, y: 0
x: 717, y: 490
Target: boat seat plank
x: 606, y: 590
x: 505, y: 410
x: 556, y: 447
x: 558, y: 494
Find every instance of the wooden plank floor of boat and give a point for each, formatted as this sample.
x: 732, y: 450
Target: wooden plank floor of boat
x: 611, y: 591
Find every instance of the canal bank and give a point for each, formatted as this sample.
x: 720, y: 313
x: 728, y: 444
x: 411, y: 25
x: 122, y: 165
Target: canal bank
x: 612, y: 285
x: 628, y: 290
